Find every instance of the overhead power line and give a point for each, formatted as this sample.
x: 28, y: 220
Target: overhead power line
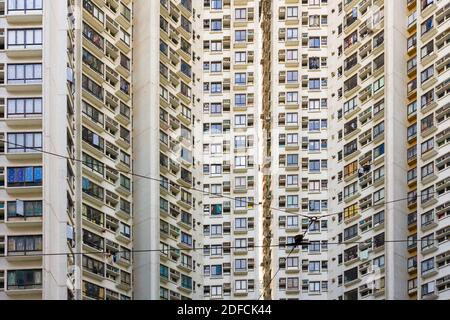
x: 130, y: 172
x: 285, y: 246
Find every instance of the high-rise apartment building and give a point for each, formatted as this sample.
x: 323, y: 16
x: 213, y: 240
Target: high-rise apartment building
x: 167, y: 134
x: 229, y: 151
x: 428, y: 154
x: 175, y: 149
x: 367, y: 139
x: 297, y: 135
x: 66, y: 89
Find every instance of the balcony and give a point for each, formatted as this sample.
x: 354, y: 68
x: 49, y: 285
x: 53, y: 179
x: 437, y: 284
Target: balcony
x: 350, y: 69
x: 23, y: 282
x: 25, y: 189
x: 429, y: 273
x: 350, y: 90
x: 27, y: 15
x: 351, y: 23
x: 351, y: 154
x: 348, y: 4
x: 24, y: 51
x: 28, y: 154
x: 412, y: 221
x: 428, y: 200
x: 23, y: 222
x: 24, y: 86
x: 428, y: 9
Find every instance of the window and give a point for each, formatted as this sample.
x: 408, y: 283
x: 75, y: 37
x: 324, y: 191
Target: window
x: 314, y: 145
x: 216, y: 291
x: 350, y: 232
x: 378, y: 218
x: 240, y: 57
x: 24, y: 244
x: 216, y: 25
x: 314, y: 84
x: 426, y: 26
x: 93, y: 240
x: 350, y: 190
x: 240, y: 78
x: 314, y: 165
x: 92, y: 138
x: 92, y: 87
x: 93, y: 113
x: 292, y: 34
x: 240, y: 285
x: 427, y: 170
x: 24, y: 142
x: 292, y: 55
x: 314, y: 286
x: 292, y: 12
x: 314, y: 42
x: 378, y: 196
x: 351, y: 147
x: 216, y: 46
x: 427, y: 74
x: 314, y: 125
x: 292, y: 97
x: 350, y: 275
x: 240, y: 14
x: 240, y: 35
x: 186, y: 239
x: 24, y: 38
x: 240, y: 99
x: 92, y: 189
x: 93, y: 62
x: 351, y: 83
x: 292, y: 221
x: 427, y: 49
x: 24, y: 176
x: 93, y: 266
x: 378, y: 151
x: 24, y: 279
x: 292, y: 201
x: 24, y: 209
x: 427, y: 266
x: 216, y: 66
x: 292, y: 76
x: 240, y: 162
x: 240, y: 265
x: 216, y: 4
x: 292, y: 160
x: 24, y: 5
x: 292, y: 118
x: 216, y: 87
x: 351, y: 211
x: 427, y: 122
x: 24, y: 107
x: 314, y: 21
x: 314, y: 206
x: 350, y: 105
x: 427, y: 98
x: 379, y: 84
x: 24, y: 73
x: 428, y: 289
x: 378, y: 129
x: 292, y: 283
x: 314, y: 104
x: 216, y: 270
x: 427, y: 146
x: 426, y: 3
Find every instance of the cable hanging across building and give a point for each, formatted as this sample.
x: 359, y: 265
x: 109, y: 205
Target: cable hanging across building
x: 209, y: 193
